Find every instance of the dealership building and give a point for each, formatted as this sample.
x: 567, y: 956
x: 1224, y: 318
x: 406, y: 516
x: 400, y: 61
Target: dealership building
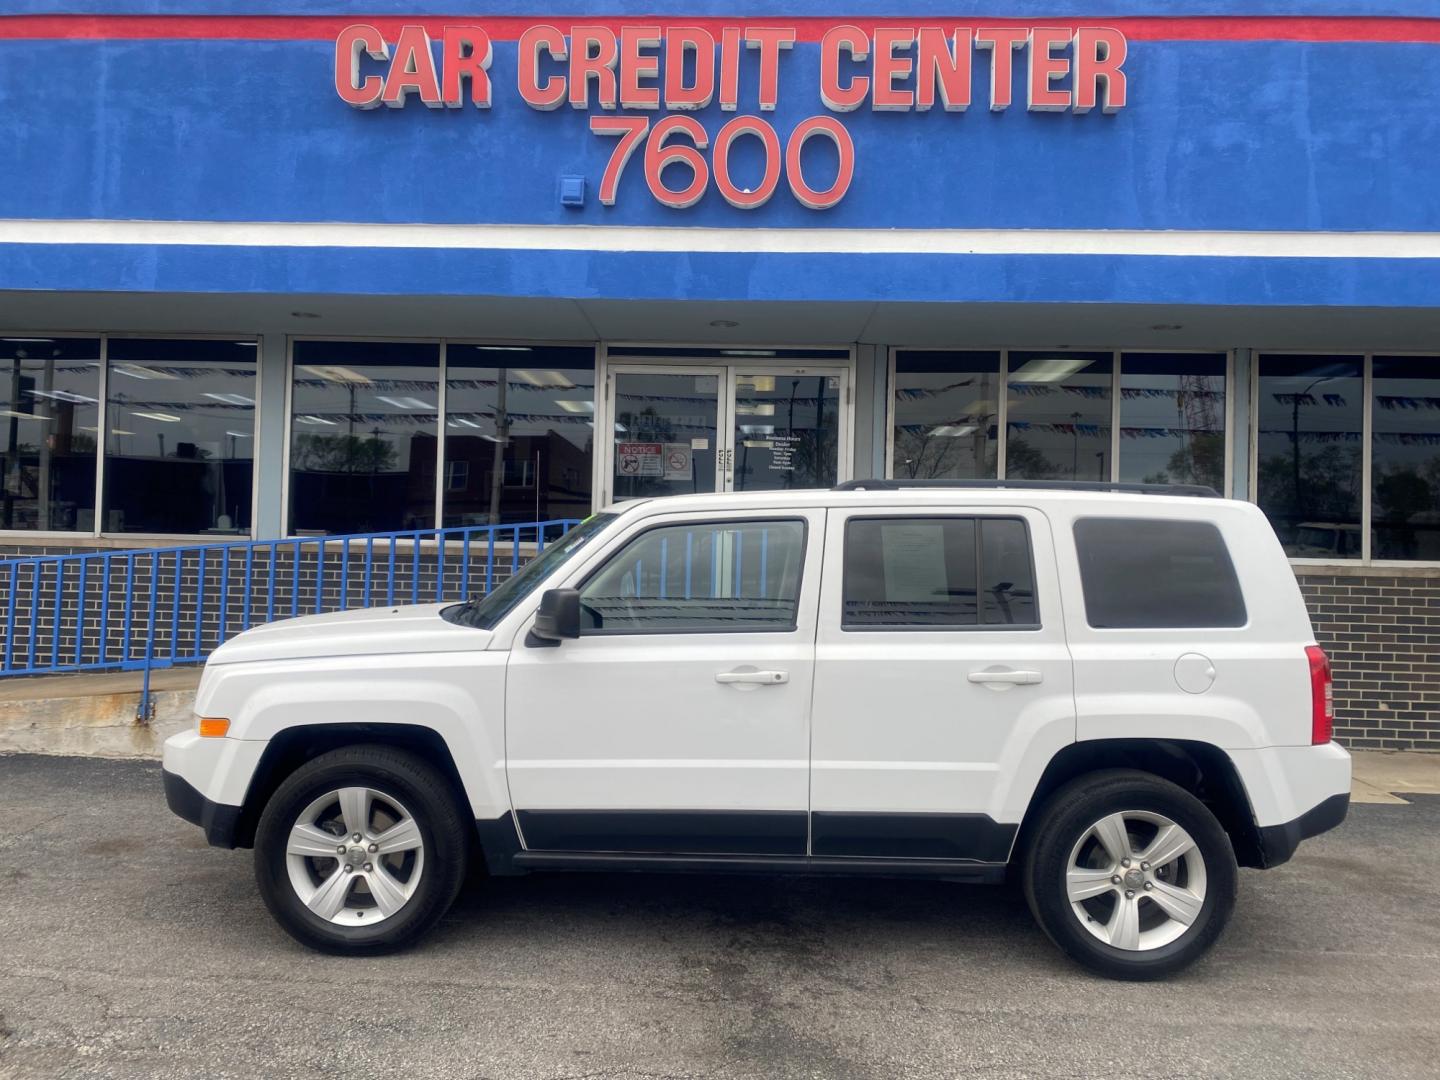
x: 271, y: 268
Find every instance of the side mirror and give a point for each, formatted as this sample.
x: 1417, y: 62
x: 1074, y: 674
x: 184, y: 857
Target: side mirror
x: 558, y: 617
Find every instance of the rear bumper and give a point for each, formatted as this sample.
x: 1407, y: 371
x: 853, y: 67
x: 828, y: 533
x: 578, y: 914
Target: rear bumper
x: 219, y: 821
x: 1278, y: 842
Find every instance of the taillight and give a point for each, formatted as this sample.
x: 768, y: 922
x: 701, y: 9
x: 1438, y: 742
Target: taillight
x: 1322, y: 696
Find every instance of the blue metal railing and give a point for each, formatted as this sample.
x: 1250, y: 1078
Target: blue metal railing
x: 160, y: 607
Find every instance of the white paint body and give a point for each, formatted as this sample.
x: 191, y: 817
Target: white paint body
x: 870, y: 722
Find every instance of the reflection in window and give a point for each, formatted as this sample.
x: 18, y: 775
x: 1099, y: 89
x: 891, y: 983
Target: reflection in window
x: 363, y: 423
x: 922, y: 573
x: 1405, y: 458
x: 519, y: 427
x: 787, y: 428
x: 49, y: 404
x: 180, y: 436
x: 1172, y: 418
x: 945, y: 414
x: 1059, y: 416
x: 1310, y: 411
x: 703, y: 577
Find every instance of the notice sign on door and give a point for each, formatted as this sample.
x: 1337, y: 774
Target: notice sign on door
x: 639, y: 459
x: 677, y: 462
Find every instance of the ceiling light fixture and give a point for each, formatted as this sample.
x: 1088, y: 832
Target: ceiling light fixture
x: 337, y: 374
x: 162, y: 417
x: 140, y: 371
x: 1048, y: 370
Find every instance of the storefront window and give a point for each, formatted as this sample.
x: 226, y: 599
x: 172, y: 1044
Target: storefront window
x: 49, y: 407
x: 1172, y: 418
x: 1059, y: 416
x: 180, y: 436
x: 519, y: 433
x: 946, y: 403
x: 1405, y: 458
x: 363, y: 425
x: 1311, y: 411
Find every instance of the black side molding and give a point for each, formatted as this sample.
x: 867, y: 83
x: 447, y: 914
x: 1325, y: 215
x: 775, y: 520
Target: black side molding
x: 219, y: 820
x: 682, y: 832
x: 1278, y: 842
x: 968, y: 837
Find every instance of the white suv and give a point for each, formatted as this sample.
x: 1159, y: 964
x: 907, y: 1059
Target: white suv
x: 1114, y: 695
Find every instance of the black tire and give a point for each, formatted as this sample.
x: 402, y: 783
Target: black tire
x: 1062, y: 823
x: 428, y: 797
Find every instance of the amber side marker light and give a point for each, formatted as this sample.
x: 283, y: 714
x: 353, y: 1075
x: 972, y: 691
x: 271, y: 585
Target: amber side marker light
x: 213, y: 727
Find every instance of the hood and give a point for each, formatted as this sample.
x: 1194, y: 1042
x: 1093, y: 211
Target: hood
x: 369, y: 632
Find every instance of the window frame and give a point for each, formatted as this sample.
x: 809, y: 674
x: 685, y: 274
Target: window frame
x: 702, y: 523
x: 954, y: 628
x: 1367, y: 438
x: 147, y: 539
x: 1002, y: 416
x: 442, y: 404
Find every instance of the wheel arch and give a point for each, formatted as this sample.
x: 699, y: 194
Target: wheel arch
x: 1203, y: 769
x: 292, y: 747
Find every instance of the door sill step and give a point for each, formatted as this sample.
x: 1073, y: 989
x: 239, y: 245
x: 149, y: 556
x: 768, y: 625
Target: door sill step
x: 953, y: 869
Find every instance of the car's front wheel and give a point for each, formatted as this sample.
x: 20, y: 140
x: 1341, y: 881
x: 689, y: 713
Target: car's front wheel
x: 1130, y: 874
x: 361, y: 850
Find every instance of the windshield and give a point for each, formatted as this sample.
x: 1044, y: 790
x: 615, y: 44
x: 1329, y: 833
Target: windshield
x: 486, y: 613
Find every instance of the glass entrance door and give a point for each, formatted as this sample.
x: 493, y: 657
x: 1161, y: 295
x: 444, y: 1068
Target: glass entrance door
x: 786, y: 431
x: 723, y: 427
x: 667, y: 426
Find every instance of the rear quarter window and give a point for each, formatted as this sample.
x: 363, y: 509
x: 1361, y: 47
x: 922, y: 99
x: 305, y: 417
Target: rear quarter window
x: 1152, y: 574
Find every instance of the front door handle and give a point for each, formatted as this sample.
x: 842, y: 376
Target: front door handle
x: 753, y: 678
x: 1005, y: 678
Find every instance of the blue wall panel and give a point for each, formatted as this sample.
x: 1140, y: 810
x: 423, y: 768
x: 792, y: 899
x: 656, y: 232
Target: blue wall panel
x: 1260, y: 135
x: 736, y: 276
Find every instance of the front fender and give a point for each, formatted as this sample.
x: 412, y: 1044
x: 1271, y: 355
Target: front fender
x: 459, y: 696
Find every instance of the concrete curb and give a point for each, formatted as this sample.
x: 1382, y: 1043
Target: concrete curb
x: 94, y: 725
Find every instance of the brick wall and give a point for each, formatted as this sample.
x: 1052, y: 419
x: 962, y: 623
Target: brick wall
x: 1381, y: 629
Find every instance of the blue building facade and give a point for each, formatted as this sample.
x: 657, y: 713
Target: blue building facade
x: 277, y: 267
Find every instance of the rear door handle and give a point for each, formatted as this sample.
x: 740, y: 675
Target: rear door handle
x: 753, y: 678
x: 1005, y: 678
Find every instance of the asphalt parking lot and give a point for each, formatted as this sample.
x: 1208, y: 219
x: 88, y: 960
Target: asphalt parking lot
x: 130, y: 949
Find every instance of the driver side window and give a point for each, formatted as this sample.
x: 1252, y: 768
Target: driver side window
x: 699, y: 577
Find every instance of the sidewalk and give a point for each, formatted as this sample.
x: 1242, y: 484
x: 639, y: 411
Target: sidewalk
x: 1384, y: 776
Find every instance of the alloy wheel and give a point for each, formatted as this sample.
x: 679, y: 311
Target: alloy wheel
x: 1136, y: 880
x: 355, y: 856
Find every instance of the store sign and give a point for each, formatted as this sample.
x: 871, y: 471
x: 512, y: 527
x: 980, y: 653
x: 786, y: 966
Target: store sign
x: 892, y: 69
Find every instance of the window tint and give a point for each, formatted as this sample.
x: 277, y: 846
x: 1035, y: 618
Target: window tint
x: 923, y: 572
x: 1007, y: 581
x: 1147, y: 574
x: 706, y: 577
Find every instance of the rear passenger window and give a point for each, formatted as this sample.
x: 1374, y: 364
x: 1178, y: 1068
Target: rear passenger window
x: 937, y: 573
x: 1145, y: 574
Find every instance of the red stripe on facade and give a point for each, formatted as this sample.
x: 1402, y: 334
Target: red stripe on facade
x: 509, y: 28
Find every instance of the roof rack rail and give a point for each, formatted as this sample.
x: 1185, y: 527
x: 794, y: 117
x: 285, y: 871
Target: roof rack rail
x: 1195, y: 490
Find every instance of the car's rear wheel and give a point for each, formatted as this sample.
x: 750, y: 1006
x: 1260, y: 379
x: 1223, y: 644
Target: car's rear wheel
x: 1129, y: 874
x: 361, y: 850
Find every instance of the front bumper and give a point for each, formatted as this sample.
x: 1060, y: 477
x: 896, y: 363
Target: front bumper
x: 1278, y: 842
x: 220, y: 822
x: 207, y: 780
